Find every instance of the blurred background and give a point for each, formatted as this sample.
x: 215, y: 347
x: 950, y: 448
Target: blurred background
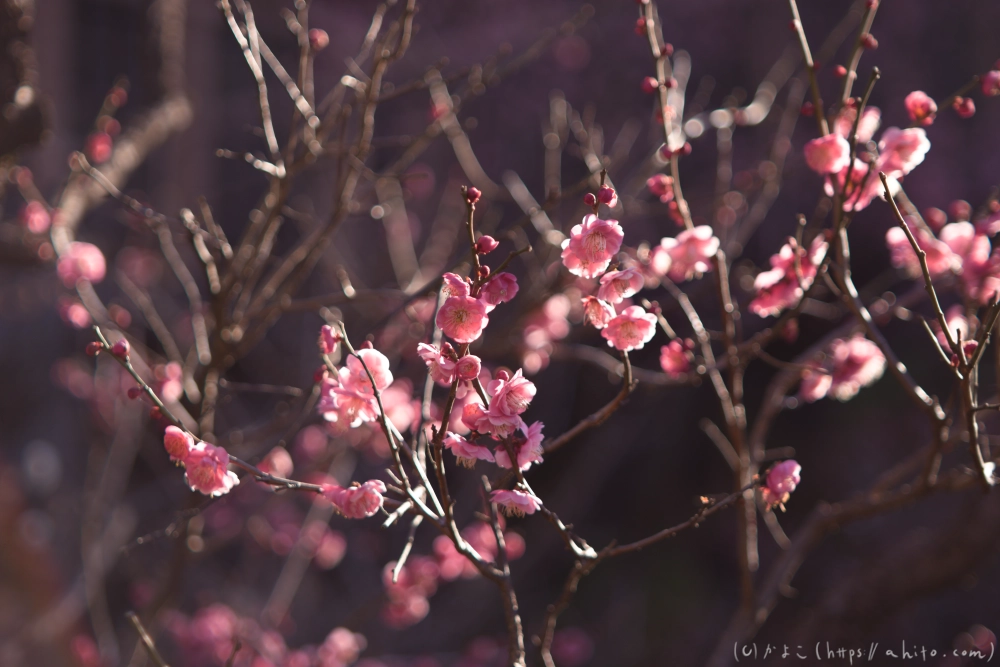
x: 82, y: 475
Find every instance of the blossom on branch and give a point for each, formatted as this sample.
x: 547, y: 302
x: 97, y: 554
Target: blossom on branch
x: 528, y: 451
x: 850, y: 365
x: 828, y: 154
x: 467, y: 453
x: 630, y: 330
x: 675, y: 358
x: 516, y: 503
x: 687, y: 255
x: 591, y: 245
x: 616, y: 286
x: 178, y: 444
x: 208, y: 470
x: 921, y: 107
x: 440, y: 367
x: 356, y: 502
x: 500, y: 288
x: 792, y: 272
x: 597, y: 313
x: 462, y: 318
x: 781, y: 481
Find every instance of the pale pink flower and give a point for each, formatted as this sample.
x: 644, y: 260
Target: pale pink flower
x: 208, y: 470
x: 616, y: 286
x: 528, y: 451
x: 467, y: 453
x: 990, y: 83
x: 178, y: 444
x: 440, y: 367
x: 328, y: 339
x: 510, y: 395
x: 356, y: 502
x: 815, y: 383
x: 940, y: 258
x: 591, y: 245
x: 277, y: 462
x: 454, y: 285
x: 630, y: 330
x: 980, y: 270
x: 900, y: 151
x: 781, y: 481
x: 662, y: 186
x: 782, y: 286
x: 516, y: 503
x: 462, y: 318
x: 596, y: 312
x: 81, y: 261
x: 870, y: 119
x: 35, y: 217
x: 920, y: 107
x: 500, y: 288
x: 475, y: 417
x: 468, y: 367
x: 341, y: 647
x: 687, y: 256
x: 355, y: 377
x: 828, y: 154
x: 850, y: 364
x: 675, y: 358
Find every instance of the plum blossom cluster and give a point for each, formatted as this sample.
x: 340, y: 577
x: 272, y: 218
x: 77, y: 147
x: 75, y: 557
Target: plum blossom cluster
x: 206, y: 465
x: 210, y: 637
x: 792, y: 271
x: 850, y: 364
x: 347, y: 396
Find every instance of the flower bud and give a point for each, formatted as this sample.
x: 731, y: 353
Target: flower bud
x: 589, y: 199
x: 484, y: 271
x: 840, y: 71
x: 869, y: 42
x: 320, y: 374
x: 640, y: 27
x: 94, y: 348
x: 649, y: 85
x: 607, y: 195
x: 667, y: 50
x: 318, y: 39
x: 486, y: 245
x: 990, y: 82
x: 472, y: 195
x: 964, y: 107
x: 133, y: 393
x: 808, y: 109
x: 121, y: 348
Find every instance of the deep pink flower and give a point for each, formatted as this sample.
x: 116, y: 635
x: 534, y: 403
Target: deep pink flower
x: 900, y: 151
x: 208, y: 470
x: 467, y: 453
x: 178, y: 444
x: 35, y: 217
x: 979, y: 269
x: 662, y: 186
x: 486, y: 244
x: 964, y: 107
x: 516, y: 503
x: 686, y: 256
x: 607, y: 196
x: 501, y: 288
x: 921, y: 107
x: 440, y: 367
x: 475, y: 417
x: 940, y: 259
x: 528, y: 451
x: 675, y: 358
x: 81, y: 261
x: 591, y: 245
x: 454, y: 285
x: 462, y: 318
x: 510, y: 396
x: 616, y: 286
x: 781, y: 481
x: 783, y: 286
x: 990, y: 83
x: 828, y: 154
x: 596, y: 312
x: 630, y: 330
x: 850, y: 365
x: 468, y: 367
x: 328, y: 339
x: 356, y: 502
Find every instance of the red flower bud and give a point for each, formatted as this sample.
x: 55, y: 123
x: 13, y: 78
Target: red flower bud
x: 318, y: 39
x: 484, y: 271
x: 589, y: 199
x: 133, y: 393
x: 808, y: 109
x: 964, y: 107
x: 869, y: 42
x: 486, y: 245
x: 607, y: 195
x: 667, y: 50
x: 649, y: 85
x: 840, y: 71
x: 472, y: 195
x: 640, y: 27
x: 121, y: 348
x: 320, y: 374
x: 94, y: 348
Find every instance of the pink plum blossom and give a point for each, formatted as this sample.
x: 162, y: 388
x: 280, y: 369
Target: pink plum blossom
x: 528, y: 451
x: 35, y: 217
x: 486, y: 244
x: 348, y: 399
x: 607, y: 196
x: 328, y: 339
x: 467, y: 453
x: 675, y: 358
x: 475, y: 417
x: 920, y: 107
x: 208, y: 470
x: 850, y: 365
x: 630, y: 330
x: 178, y: 444
x: 958, y: 326
x: 864, y: 186
x: 596, y: 312
x: 616, y: 286
x: 662, y: 186
x: 500, y: 288
x: 784, y: 284
x: 359, y: 501
x: 440, y: 367
x: 468, y: 367
x: 81, y: 261
x: 844, y: 123
x: 990, y: 83
x: 900, y: 151
x: 687, y: 256
x: 781, y: 481
x: 511, y: 395
x: 591, y: 245
x: 940, y: 258
x: 515, y: 502
x: 454, y: 285
x: 980, y: 270
x: 462, y: 318
x: 828, y: 154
